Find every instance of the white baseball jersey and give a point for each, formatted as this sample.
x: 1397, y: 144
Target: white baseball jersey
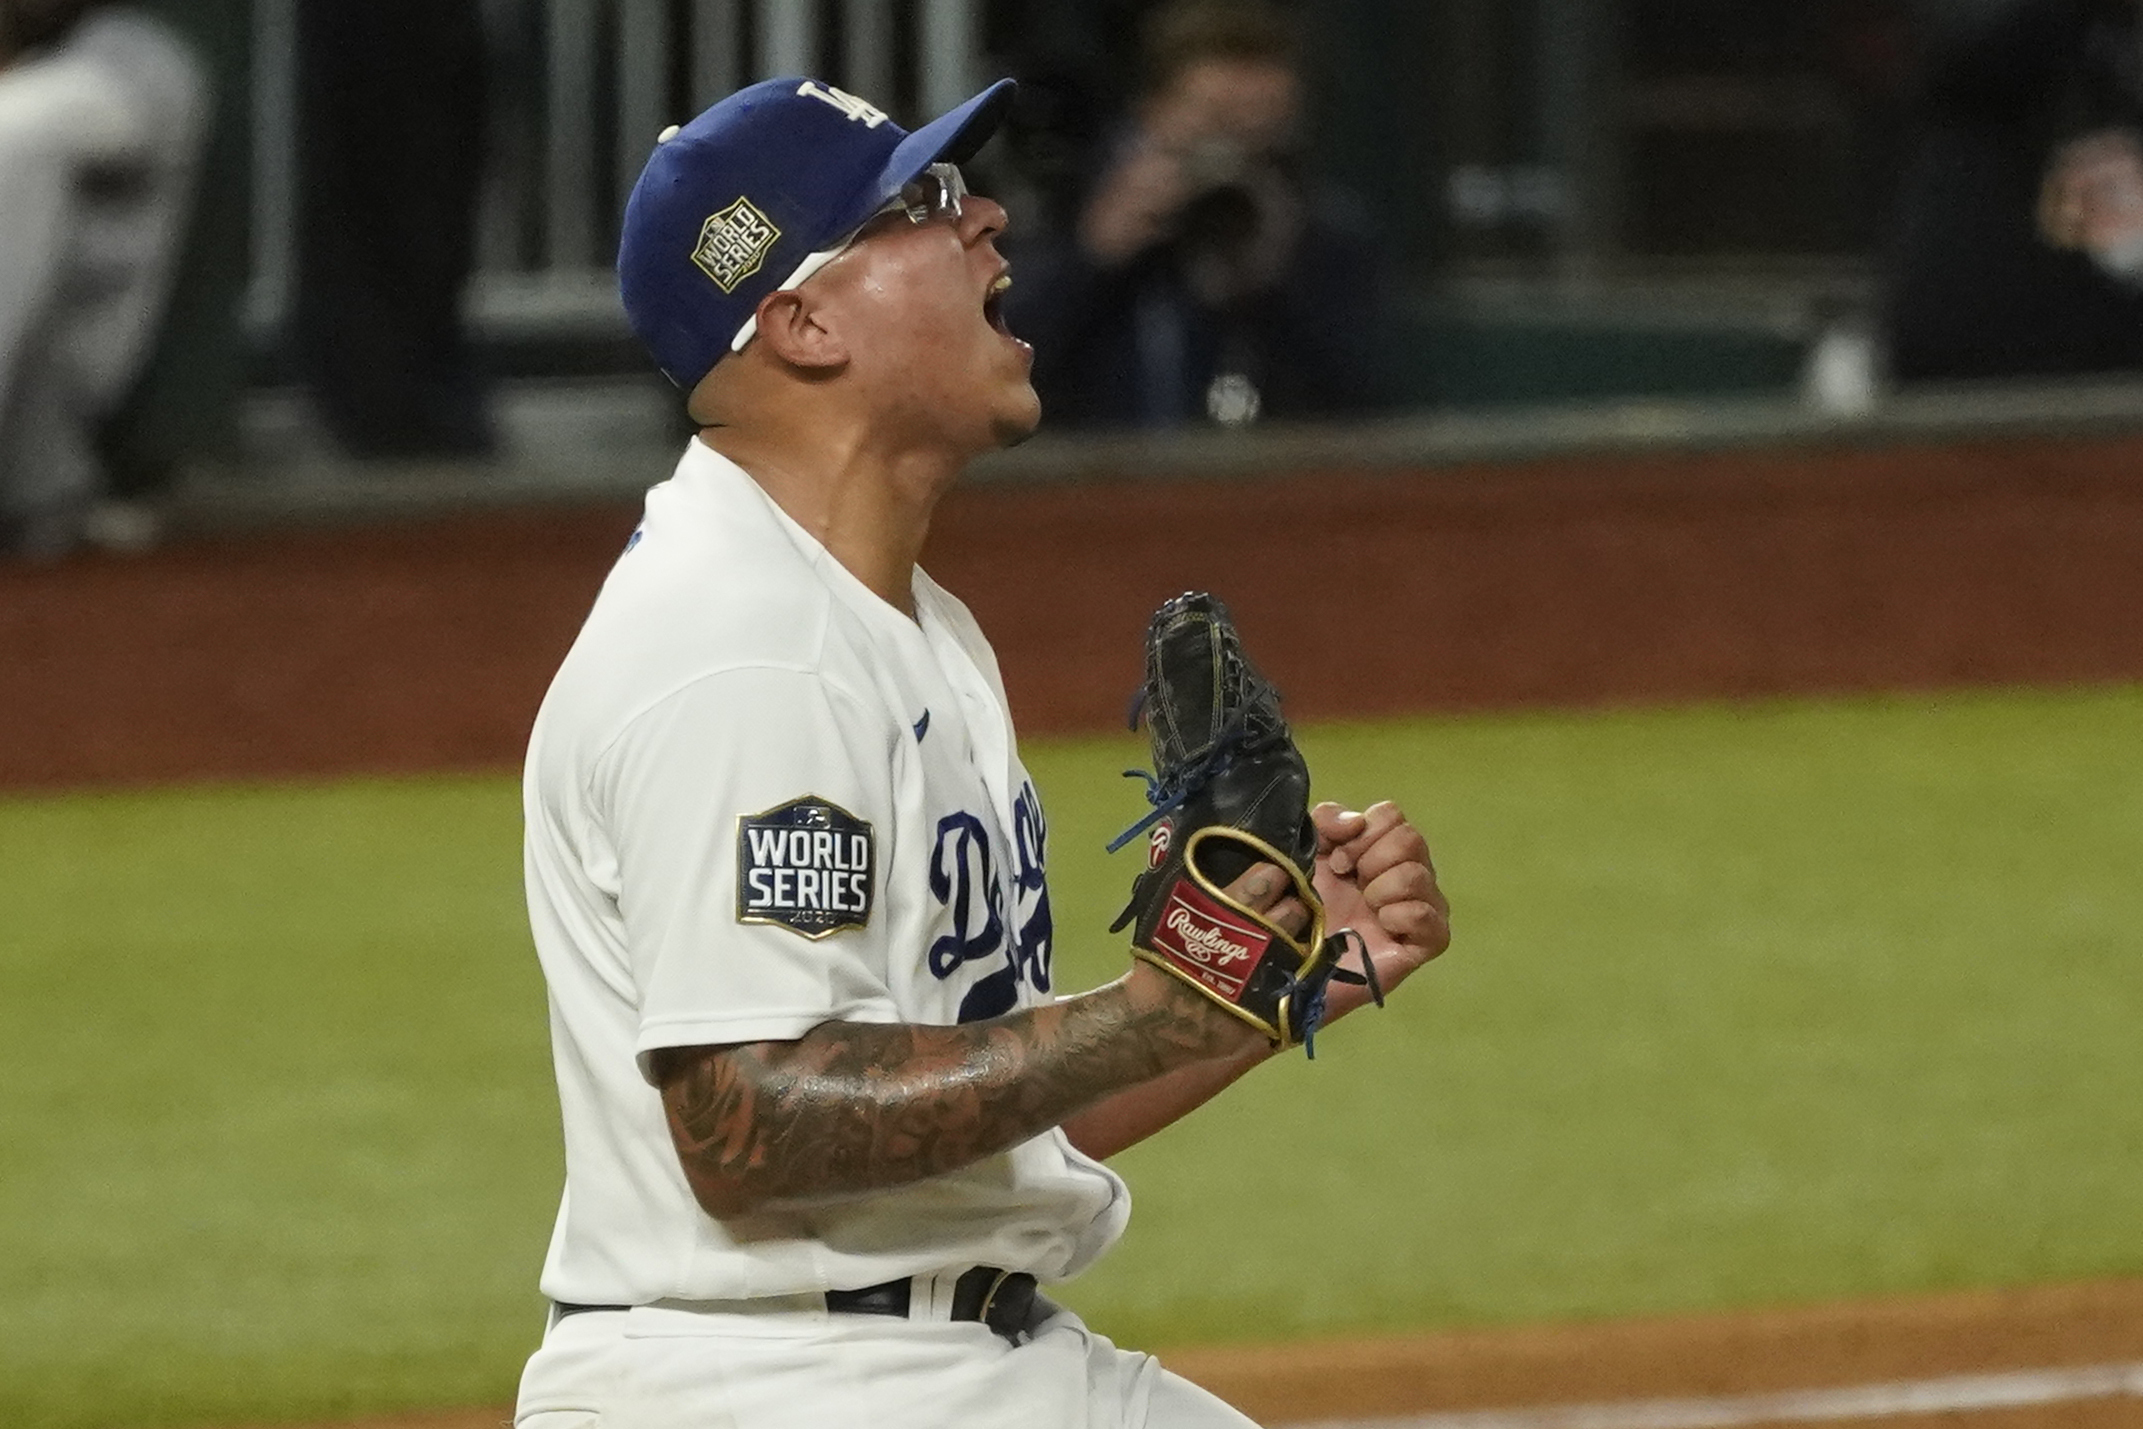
x: 759, y: 798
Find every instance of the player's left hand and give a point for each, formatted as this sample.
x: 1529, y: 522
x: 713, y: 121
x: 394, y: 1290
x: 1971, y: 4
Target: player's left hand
x: 1374, y: 874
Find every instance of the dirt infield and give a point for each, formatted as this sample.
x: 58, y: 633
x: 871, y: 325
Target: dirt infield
x: 1687, y: 1359
x: 1691, y: 1357
x: 427, y: 646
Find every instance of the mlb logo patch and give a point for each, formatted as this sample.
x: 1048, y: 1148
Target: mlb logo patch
x: 808, y: 865
x: 733, y: 243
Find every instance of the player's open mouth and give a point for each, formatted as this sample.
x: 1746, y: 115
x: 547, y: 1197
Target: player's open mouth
x: 993, y: 304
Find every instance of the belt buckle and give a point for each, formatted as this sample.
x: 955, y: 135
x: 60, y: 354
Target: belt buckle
x: 989, y: 1296
x: 1016, y: 1333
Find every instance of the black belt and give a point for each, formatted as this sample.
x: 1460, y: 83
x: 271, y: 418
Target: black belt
x: 1000, y: 1299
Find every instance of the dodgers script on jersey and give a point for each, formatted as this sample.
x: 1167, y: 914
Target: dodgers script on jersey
x: 759, y: 798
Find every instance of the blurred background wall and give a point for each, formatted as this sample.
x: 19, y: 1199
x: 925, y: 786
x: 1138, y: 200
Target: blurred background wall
x: 1580, y: 196
x: 1669, y: 221
x: 405, y: 215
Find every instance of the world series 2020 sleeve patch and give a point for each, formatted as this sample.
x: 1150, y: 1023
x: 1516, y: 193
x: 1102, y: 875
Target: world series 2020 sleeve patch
x: 808, y: 865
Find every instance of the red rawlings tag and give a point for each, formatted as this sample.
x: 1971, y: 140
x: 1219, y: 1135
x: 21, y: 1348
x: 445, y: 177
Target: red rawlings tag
x: 1208, y: 940
x: 1157, y: 845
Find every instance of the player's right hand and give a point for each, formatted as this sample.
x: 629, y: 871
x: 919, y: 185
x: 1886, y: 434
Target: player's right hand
x: 1378, y: 880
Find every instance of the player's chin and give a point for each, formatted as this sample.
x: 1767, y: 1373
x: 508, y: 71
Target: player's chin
x: 1018, y: 418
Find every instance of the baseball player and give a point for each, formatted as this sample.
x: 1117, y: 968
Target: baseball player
x: 828, y: 1123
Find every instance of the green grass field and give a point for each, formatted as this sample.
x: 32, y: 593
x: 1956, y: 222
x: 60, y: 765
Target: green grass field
x: 1748, y: 1005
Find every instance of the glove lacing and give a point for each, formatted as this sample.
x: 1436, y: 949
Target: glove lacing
x: 1251, y: 694
x: 1313, y: 997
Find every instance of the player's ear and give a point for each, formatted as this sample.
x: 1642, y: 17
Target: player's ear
x: 795, y: 327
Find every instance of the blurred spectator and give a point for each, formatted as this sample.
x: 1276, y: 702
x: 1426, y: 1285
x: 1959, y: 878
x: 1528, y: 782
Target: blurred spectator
x: 2020, y: 246
x: 101, y: 117
x: 1207, y: 275
x: 392, y: 122
x: 184, y: 406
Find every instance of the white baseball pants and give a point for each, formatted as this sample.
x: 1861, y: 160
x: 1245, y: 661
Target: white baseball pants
x: 656, y: 1368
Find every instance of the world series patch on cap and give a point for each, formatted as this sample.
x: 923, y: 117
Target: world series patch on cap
x: 732, y: 204
x: 808, y: 865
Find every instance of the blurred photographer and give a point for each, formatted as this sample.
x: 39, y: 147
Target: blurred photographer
x: 2020, y: 247
x: 101, y: 116
x: 1208, y: 277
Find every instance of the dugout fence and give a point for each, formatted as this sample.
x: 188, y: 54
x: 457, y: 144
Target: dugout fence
x: 583, y: 87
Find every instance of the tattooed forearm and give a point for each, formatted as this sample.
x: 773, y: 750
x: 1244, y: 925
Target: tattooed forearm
x: 864, y: 1106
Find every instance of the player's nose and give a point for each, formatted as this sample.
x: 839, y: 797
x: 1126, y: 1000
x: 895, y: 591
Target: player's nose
x: 981, y: 218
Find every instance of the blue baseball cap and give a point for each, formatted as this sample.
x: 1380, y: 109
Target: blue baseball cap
x: 754, y: 194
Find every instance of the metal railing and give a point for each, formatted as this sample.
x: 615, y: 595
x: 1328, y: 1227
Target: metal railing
x: 584, y: 86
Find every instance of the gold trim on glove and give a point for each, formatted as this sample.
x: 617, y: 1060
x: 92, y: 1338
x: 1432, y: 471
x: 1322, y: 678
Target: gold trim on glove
x: 1311, y: 950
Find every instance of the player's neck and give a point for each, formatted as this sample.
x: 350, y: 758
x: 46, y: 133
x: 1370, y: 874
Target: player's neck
x: 871, y: 510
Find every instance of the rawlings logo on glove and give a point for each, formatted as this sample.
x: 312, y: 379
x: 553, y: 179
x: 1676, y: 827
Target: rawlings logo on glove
x: 1198, y: 935
x: 1203, y: 936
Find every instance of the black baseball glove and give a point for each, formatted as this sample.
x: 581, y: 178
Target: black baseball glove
x: 1229, y: 790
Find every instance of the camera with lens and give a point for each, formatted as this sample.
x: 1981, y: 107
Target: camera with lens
x: 1240, y: 222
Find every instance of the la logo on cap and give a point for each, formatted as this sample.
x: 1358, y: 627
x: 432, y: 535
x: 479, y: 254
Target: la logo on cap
x: 733, y: 243
x: 871, y: 115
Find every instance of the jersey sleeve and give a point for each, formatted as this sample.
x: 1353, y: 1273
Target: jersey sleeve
x: 750, y: 813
